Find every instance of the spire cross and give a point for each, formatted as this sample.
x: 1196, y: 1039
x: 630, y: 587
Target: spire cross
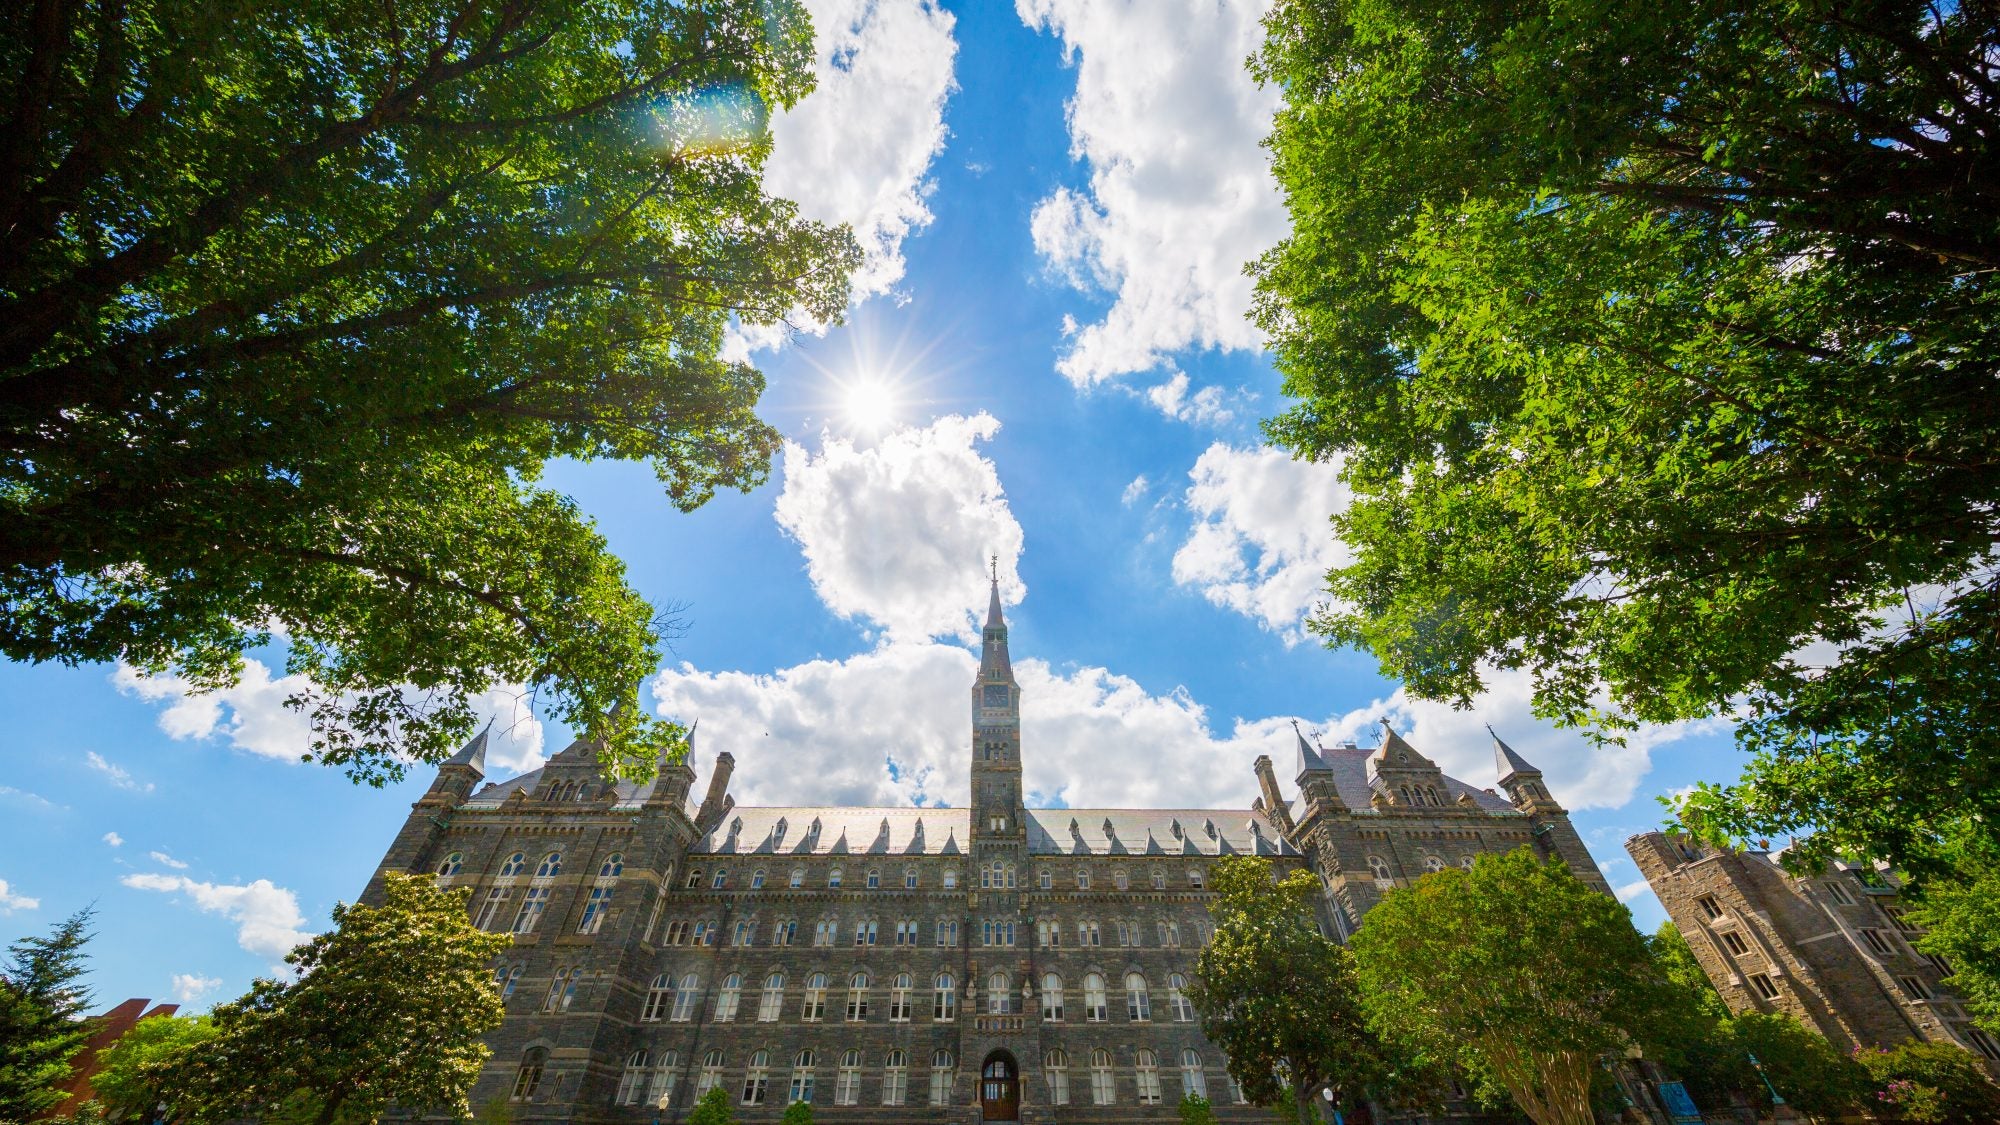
x: 995, y: 564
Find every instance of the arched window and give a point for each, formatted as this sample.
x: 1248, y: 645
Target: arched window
x: 506, y: 977
x: 1121, y: 880
x: 551, y: 866
x: 1378, y: 867
x: 757, y: 879
x: 1055, y: 1067
x: 1052, y: 998
x: 814, y: 1008
x: 832, y: 880
x: 1093, y: 998
x: 1148, y: 1073
x: 1196, y: 879
x: 857, y: 999
x: 562, y: 990
x: 1194, y: 1080
x: 899, y: 998
x: 1082, y: 879
x: 802, y: 1076
x: 999, y: 994
x: 798, y: 878
x: 773, y: 999
x: 513, y: 865
x: 528, y: 1079
x: 657, y: 998
x: 950, y: 878
x: 685, y: 996
x: 612, y: 867
x: 757, y: 1079
x: 719, y: 880
x: 451, y: 865
x: 896, y: 1078
x: 944, y: 1004
x: 1465, y: 862
x: 693, y: 881
x: 942, y: 1076
x: 595, y: 906
x: 711, y: 1073
x: 1102, y: 1089
x: 662, y: 1090
x: 1159, y: 880
x: 909, y: 884
x: 729, y: 998
x: 632, y: 1084
x: 1138, y: 1002
x: 1433, y: 863
x: 874, y: 884
x: 847, y: 1081
x: 1177, y: 999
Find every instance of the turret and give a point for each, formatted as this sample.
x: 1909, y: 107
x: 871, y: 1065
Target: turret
x: 460, y: 773
x: 996, y: 731
x: 718, y: 802
x: 674, y: 779
x: 1522, y: 781
x: 1315, y: 779
x: 1272, y: 801
x: 1402, y: 777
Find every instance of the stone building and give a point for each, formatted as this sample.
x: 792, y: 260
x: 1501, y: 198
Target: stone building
x: 987, y: 963
x: 1832, y: 949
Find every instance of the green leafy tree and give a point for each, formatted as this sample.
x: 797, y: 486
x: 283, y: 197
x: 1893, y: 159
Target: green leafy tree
x: 714, y: 1108
x: 1656, y: 341
x: 1280, y: 998
x: 298, y: 297
x: 1514, y: 968
x: 134, y: 1072
x: 1960, y: 910
x: 42, y: 1022
x: 797, y: 1113
x: 1195, y: 1110
x: 1933, y: 1083
x: 389, y: 1006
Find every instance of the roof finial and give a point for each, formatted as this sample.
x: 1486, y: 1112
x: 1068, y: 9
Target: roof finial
x: 994, y: 565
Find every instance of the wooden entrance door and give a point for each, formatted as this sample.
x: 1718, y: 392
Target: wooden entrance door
x: 999, y: 1090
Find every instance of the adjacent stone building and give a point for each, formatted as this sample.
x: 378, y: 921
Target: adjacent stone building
x: 1833, y: 949
x: 992, y: 963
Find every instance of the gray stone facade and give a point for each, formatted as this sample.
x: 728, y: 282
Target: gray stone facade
x: 879, y: 959
x: 1833, y: 950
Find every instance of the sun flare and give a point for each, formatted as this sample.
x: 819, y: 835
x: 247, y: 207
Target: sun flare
x: 870, y: 404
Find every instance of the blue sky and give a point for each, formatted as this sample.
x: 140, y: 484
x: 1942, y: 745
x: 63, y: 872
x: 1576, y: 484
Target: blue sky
x: 1057, y: 200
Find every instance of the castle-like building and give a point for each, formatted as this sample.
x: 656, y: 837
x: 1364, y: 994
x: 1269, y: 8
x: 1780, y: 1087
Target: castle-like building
x: 987, y: 963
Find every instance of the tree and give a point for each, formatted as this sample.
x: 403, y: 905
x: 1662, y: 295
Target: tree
x: 42, y: 1022
x: 389, y: 1006
x: 297, y: 299
x: 1656, y: 344
x: 134, y: 1072
x: 1932, y: 1082
x: 1515, y: 968
x: 713, y: 1109
x: 1280, y: 998
x: 797, y: 1113
x: 1195, y: 1110
x: 1960, y: 910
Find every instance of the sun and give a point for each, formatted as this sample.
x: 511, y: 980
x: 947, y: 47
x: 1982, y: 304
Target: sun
x: 870, y: 404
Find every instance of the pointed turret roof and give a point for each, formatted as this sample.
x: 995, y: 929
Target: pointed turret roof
x: 993, y: 618
x: 473, y: 754
x: 1508, y: 762
x: 1309, y: 759
x: 1393, y: 742
x: 994, y: 663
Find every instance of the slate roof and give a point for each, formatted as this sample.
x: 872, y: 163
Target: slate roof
x: 1349, y: 765
x: 1153, y: 832
x: 833, y: 830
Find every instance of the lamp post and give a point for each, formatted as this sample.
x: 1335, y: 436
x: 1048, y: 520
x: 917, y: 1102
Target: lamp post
x: 1327, y: 1093
x: 1777, y: 1099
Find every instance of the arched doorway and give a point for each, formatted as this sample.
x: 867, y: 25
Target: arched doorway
x: 999, y: 1088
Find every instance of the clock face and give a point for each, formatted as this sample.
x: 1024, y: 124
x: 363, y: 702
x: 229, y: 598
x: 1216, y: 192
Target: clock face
x: 996, y: 695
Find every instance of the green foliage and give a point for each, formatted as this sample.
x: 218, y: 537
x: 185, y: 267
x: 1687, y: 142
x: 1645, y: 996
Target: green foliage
x: 298, y: 297
x: 42, y: 1023
x: 499, y: 1110
x: 797, y: 1113
x: 389, y: 1006
x: 1280, y: 999
x: 714, y: 1108
x: 1932, y: 1082
x: 132, y: 1076
x: 1961, y: 910
x: 1515, y: 968
x: 1677, y: 963
x: 1799, y: 1063
x: 1657, y: 341
x: 1195, y: 1110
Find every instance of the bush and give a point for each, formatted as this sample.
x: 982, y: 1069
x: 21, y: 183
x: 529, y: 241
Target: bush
x: 1195, y: 1110
x: 1933, y: 1083
x: 713, y: 1109
x: 797, y: 1113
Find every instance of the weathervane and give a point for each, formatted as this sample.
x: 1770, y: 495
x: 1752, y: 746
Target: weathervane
x: 996, y: 568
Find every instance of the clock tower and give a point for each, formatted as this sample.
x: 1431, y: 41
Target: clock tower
x: 997, y: 811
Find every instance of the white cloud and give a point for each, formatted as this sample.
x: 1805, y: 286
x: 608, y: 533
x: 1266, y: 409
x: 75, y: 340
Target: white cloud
x: 1180, y: 193
x: 1134, y: 490
x: 32, y: 800
x: 858, y: 149
x: 10, y: 902
x: 899, y: 533
x: 118, y: 776
x: 253, y: 717
x: 268, y: 922
x: 1630, y: 891
x: 889, y: 727
x: 1204, y: 406
x: 170, y: 861
x: 114, y: 839
x: 190, y: 987
x: 1261, y: 544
